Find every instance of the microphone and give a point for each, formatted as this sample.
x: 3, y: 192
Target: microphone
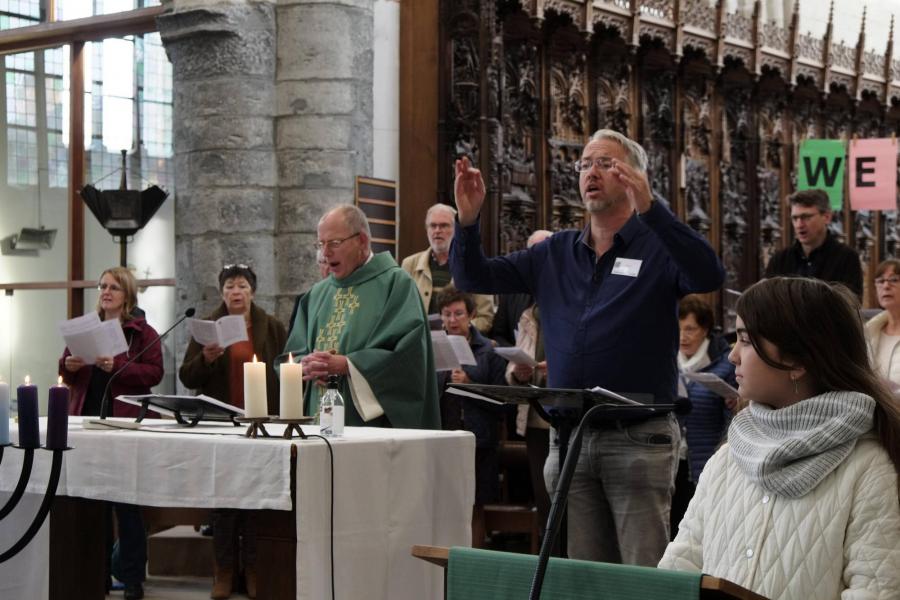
x: 104, y: 402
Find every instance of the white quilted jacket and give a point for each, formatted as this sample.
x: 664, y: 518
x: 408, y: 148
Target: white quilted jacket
x: 842, y: 540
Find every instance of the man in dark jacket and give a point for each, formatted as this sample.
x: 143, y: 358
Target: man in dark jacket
x: 815, y: 251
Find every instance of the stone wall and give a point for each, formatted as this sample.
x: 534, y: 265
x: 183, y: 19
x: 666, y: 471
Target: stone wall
x: 272, y: 122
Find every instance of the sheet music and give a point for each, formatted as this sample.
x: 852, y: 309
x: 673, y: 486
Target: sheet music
x: 444, y: 356
x: 516, y: 355
x: 614, y: 395
x: 137, y: 401
x: 87, y: 337
x: 714, y: 383
x: 462, y: 350
x: 225, y: 331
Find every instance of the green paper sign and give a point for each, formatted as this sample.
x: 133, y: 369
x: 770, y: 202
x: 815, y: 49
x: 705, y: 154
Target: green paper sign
x: 822, y: 166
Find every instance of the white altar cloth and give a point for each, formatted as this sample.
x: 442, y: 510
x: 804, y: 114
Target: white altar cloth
x: 393, y: 488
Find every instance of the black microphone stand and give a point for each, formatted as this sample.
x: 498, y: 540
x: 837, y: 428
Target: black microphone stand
x: 560, y: 495
x: 104, y: 402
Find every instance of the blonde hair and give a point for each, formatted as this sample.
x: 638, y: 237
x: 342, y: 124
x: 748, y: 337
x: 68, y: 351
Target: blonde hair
x: 125, y: 280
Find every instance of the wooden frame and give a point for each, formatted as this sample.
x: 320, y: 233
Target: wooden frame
x: 75, y: 33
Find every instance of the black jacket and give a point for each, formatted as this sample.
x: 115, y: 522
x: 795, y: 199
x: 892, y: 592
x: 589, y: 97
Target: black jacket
x: 832, y: 262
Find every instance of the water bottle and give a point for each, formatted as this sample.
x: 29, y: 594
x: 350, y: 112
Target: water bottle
x: 331, y: 410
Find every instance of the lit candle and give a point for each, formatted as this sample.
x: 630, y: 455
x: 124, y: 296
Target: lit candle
x: 255, y: 404
x: 4, y: 413
x: 27, y: 399
x: 57, y: 416
x: 291, y: 398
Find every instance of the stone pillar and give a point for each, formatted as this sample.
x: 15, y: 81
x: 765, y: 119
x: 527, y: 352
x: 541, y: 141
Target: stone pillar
x: 223, y: 62
x: 323, y: 131
x: 272, y: 122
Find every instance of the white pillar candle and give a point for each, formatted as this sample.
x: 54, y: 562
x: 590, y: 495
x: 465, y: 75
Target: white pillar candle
x: 291, y: 398
x: 255, y: 405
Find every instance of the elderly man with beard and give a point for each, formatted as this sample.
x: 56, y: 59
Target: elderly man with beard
x: 430, y: 268
x: 607, y: 296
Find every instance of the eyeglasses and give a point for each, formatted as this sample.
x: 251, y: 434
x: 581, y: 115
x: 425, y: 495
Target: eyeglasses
x: 604, y: 163
x: 894, y: 280
x: 109, y: 286
x: 334, y: 244
x: 805, y: 217
x: 235, y: 266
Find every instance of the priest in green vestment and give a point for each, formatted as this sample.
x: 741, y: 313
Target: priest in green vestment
x: 365, y: 323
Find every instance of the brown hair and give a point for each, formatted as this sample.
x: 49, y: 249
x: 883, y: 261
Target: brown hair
x: 891, y: 263
x: 237, y: 270
x: 817, y: 325
x: 693, y: 304
x: 125, y: 280
x: 451, y: 295
x: 811, y: 198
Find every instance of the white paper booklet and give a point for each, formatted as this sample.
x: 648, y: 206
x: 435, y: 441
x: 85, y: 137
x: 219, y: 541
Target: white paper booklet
x: 88, y: 337
x: 450, y: 351
x: 225, y: 331
x: 516, y: 355
x: 714, y: 383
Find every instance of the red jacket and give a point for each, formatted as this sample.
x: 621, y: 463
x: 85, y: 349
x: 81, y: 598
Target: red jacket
x: 136, y: 379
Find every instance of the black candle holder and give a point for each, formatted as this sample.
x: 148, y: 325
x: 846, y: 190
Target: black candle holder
x: 49, y: 495
x: 257, y: 426
x: 293, y: 425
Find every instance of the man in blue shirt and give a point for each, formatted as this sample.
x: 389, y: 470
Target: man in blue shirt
x: 608, y: 298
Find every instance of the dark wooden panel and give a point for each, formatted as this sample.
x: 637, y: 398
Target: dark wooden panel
x: 419, y: 92
x: 77, y: 549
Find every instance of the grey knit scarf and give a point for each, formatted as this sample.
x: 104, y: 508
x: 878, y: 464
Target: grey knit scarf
x: 788, y: 451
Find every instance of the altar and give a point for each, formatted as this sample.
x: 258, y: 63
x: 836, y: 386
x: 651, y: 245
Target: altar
x: 392, y: 488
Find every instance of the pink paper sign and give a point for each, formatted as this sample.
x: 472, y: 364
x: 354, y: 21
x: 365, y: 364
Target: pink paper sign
x: 873, y: 174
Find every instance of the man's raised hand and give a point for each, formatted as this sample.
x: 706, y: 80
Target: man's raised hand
x: 468, y: 188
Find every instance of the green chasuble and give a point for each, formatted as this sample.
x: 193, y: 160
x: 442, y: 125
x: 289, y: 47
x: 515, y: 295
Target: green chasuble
x: 375, y: 318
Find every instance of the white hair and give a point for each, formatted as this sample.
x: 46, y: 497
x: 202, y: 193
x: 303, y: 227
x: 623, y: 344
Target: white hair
x: 637, y: 156
x: 354, y: 217
x: 439, y: 207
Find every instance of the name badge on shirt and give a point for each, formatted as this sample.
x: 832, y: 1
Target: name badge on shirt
x: 630, y: 267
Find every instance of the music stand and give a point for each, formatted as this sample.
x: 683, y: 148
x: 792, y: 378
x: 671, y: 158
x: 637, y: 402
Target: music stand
x: 187, y: 410
x: 599, y: 405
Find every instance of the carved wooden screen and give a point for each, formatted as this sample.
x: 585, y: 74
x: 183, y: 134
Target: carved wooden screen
x: 721, y: 103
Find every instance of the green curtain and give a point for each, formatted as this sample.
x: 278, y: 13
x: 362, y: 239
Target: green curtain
x: 488, y: 575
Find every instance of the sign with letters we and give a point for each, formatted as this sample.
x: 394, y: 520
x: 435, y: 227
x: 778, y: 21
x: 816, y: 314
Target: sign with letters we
x: 872, y: 172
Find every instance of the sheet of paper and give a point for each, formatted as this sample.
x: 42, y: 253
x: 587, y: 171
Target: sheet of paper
x: 612, y: 394
x: 468, y: 394
x: 87, y: 337
x: 111, y: 338
x: 444, y: 356
x: 713, y: 382
x: 462, y: 350
x: 80, y: 324
x: 232, y: 329
x: 205, y: 332
x: 516, y: 355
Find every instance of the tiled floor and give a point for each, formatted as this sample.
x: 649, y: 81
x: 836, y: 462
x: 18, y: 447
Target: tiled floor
x: 174, y: 588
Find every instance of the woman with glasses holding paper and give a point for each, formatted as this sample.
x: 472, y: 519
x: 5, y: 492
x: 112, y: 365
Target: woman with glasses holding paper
x: 883, y: 330
x: 87, y: 382
x: 217, y: 371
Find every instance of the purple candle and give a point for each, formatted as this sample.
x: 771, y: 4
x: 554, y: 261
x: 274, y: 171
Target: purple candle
x: 27, y: 396
x: 57, y: 416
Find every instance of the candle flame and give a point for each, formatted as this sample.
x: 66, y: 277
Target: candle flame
x: 59, y: 380
x: 28, y: 380
x: 290, y: 357
x: 254, y: 358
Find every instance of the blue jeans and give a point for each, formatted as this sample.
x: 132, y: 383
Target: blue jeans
x: 129, y: 553
x: 621, y: 492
